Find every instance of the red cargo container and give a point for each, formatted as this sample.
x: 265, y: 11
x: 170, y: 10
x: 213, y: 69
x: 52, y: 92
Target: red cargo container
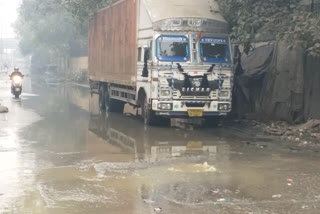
x: 113, y: 44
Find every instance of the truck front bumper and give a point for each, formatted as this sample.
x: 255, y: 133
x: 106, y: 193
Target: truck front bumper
x: 181, y: 108
x: 180, y: 114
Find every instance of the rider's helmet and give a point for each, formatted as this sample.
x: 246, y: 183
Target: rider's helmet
x: 16, y: 69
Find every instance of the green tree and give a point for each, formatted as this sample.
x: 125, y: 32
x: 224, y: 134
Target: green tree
x: 49, y: 30
x: 282, y: 19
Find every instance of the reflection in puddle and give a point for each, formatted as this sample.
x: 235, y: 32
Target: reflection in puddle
x: 83, y: 161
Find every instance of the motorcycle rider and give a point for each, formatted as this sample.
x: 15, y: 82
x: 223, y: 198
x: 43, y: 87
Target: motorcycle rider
x: 16, y: 72
x: 14, y: 89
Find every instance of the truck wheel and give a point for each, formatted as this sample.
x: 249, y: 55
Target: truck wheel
x: 102, y: 95
x: 149, y: 116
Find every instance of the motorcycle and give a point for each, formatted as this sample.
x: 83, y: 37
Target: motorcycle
x: 16, y: 88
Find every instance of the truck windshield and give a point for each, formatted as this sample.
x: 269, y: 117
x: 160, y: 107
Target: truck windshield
x: 214, y: 50
x: 173, y: 48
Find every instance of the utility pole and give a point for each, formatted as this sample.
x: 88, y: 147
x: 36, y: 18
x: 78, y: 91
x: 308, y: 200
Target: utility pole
x: 1, y: 39
x: 312, y: 6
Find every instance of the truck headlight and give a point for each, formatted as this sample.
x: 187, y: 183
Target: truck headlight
x: 165, y: 93
x: 165, y: 106
x: 224, y: 107
x: 224, y: 93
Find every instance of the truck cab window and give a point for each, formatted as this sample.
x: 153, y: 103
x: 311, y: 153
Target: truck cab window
x: 214, y: 50
x: 173, y: 48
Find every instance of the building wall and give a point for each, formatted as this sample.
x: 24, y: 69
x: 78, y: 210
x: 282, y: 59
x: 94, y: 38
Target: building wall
x: 78, y: 64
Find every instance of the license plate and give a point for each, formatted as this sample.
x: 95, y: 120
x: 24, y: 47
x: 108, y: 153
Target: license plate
x: 17, y: 89
x: 194, y: 145
x: 195, y: 113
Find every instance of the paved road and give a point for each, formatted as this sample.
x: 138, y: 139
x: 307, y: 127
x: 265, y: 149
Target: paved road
x: 58, y: 154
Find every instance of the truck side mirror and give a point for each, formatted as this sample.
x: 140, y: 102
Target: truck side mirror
x: 146, y: 54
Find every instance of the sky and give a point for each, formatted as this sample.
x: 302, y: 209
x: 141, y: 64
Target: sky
x: 8, y: 15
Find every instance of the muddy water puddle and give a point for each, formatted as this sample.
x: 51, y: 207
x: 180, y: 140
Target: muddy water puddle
x: 73, y: 159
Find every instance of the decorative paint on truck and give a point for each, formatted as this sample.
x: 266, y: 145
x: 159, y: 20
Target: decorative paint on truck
x: 170, y: 58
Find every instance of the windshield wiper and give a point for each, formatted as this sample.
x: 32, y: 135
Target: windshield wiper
x: 211, y: 68
x: 180, y: 67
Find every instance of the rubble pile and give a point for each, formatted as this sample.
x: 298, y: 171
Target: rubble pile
x: 304, y: 134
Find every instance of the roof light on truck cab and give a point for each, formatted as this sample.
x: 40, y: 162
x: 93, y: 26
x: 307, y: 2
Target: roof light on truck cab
x: 194, y: 22
x: 176, y: 22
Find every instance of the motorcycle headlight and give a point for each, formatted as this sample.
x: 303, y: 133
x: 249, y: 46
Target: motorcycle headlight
x: 17, y: 79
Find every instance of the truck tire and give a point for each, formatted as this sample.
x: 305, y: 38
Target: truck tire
x: 102, y: 95
x: 149, y: 116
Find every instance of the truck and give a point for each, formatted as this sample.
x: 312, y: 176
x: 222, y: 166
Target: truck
x: 168, y: 58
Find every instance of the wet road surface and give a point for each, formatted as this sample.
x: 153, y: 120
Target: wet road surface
x: 59, y: 154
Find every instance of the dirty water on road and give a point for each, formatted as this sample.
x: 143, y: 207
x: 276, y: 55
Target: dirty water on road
x: 66, y: 157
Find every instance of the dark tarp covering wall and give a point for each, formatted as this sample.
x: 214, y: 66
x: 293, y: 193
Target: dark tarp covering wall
x: 278, y: 84
x: 248, y: 85
x: 312, y: 88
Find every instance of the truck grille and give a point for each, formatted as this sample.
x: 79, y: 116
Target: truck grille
x: 195, y: 105
x: 175, y: 93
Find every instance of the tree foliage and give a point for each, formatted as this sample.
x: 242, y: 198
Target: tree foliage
x: 83, y: 9
x: 44, y: 30
x: 279, y: 19
x: 53, y: 29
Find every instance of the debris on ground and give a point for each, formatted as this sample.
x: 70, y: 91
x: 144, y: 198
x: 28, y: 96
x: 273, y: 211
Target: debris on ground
x: 148, y: 201
x: 302, y: 134
x: 222, y: 200
x: 3, y: 109
x: 157, y: 210
x: 214, y: 192
x: 130, y: 110
x: 206, y: 167
x: 171, y: 169
x: 196, y: 168
x: 277, y: 196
